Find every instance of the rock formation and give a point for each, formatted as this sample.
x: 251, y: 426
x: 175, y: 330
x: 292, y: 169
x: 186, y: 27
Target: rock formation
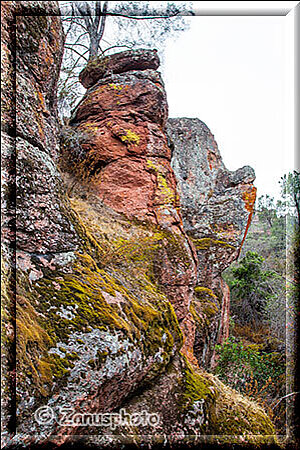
x: 216, y: 207
x: 102, y: 316
x: 36, y: 233
x: 124, y: 160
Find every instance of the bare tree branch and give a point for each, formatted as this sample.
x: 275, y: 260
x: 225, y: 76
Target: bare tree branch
x: 75, y: 51
x: 75, y: 64
x: 116, y: 46
x: 86, y: 23
x: 79, y: 37
x: 71, y: 23
x: 98, y: 14
x: 102, y: 25
x: 142, y: 17
x: 71, y: 44
x: 77, y: 20
x: 83, y: 11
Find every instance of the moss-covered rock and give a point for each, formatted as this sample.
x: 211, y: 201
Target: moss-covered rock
x: 109, y: 295
x: 105, y: 277
x: 104, y: 318
x: 191, y: 408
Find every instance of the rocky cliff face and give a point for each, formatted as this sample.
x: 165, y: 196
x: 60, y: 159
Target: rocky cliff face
x: 216, y: 207
x: 125, y: 161
x: 36, y: 233
x: 102, y: 318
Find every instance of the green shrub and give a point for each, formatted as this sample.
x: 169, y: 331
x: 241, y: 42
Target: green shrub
x: 240, y: 365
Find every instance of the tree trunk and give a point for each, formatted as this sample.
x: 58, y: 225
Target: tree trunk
x: 93, y: 50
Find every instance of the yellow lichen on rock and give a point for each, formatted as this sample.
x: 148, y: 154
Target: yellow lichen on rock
x: 130, y: 137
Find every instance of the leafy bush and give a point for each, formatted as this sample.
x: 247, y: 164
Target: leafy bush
x: 256, y: 373
x: 241, y: 365
x: 251, y: 289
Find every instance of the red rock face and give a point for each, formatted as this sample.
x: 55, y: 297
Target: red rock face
x: 125, y: 160
x: 121, y: 121
x: 126, y: 185
x: 140, y: 94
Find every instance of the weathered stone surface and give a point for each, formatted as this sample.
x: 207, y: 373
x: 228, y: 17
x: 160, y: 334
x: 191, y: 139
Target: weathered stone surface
x: 125, y: 160
x: 140, y: 59
x: 41, y: 216
x: 140, y: 94
x: 97, y: 354
x: 104, y: 290
x: 41, y: 225
x: 215, y: 202
x: 31, y: 42
x: 120, y: 124
x: 36, y: 231
x: 216, y: 207
x: 180, y: 422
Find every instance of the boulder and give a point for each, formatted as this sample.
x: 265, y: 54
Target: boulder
x: 101, y: 67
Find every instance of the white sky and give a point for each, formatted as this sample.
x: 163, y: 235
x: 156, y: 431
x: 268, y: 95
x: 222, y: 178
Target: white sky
x: 236, y: 75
